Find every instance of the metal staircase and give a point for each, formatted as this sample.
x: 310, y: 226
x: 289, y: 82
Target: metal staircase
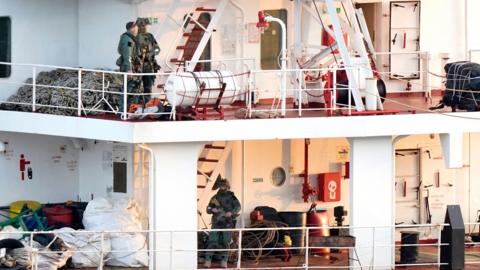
x: 210, y: 164
x: 359, y: 51
x: 193, y: 37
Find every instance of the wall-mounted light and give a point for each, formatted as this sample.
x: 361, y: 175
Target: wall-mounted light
x: 3, y: 147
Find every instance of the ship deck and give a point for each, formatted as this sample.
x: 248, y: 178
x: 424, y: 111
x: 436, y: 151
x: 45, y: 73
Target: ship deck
x: 426, y: 255
x: 409, y: 103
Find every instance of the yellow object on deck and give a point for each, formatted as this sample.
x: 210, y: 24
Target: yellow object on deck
x: 287, y: 241
x: 16, y: 207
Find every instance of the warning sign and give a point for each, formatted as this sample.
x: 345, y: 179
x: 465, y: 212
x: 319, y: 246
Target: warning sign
x: 343, y: 153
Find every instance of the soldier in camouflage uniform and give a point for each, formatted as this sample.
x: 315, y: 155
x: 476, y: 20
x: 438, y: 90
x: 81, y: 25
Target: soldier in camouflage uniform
x: 127, y: 48
x: 225, y: 208
x: 147, y: 49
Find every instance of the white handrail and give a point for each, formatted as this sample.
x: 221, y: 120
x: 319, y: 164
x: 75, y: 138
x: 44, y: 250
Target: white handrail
x: 247, y: 89
x: 239, y: 249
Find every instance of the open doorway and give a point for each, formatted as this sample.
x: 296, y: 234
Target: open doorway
x: 407, y: 182
x: 370, y: 17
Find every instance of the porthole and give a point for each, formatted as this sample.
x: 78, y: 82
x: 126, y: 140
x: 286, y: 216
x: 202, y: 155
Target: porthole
x: 278, y: 176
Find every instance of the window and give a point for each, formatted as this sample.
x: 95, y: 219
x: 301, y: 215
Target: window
x: 271, y: 41
x: 119, y: 177
x: 5, y: 46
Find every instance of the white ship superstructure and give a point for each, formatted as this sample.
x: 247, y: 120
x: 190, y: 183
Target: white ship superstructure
x: 294, y: 102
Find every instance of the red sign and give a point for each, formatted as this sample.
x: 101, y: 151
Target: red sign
x: 329, y: 187
x: 23, y: 166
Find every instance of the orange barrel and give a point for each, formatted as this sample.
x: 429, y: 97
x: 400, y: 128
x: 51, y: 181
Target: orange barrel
x: 59, y: 216
x: 318, y: 218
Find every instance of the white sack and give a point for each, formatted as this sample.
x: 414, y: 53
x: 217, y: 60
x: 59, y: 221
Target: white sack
x: 86, y: 247
x: 129, y: 249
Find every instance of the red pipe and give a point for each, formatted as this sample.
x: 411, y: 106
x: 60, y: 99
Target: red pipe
x: 307, y: 188
x: 307, y: 146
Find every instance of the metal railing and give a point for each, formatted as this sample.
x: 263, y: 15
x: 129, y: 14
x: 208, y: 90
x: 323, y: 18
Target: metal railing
x: 303, y: 91
x: 371, y: 242
x: 114, y: 85
x: 472, y: 247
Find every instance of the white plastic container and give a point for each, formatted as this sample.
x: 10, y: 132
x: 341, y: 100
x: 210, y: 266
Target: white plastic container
x: 184, y: 88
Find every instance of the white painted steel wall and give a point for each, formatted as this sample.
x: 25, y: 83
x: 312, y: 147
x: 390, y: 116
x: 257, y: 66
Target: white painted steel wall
x: 175, y: 204
x: 371, y: 200
x: 54, y: 162
x: 442, y: 30
x: 61, y: 172
x: 96, y: 169
x: 43, y: 32
x: 457, y: 186
x: 100, y: 24
x: 261, y: 157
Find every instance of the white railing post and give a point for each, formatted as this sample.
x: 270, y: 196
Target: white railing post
x: 103, y: 84
x: 373, y: 247
x: 174, y: 104
x: 306, y: 246
x: 424, y: 71
x: 300, y: 93
x: 349, y: 90
x: 33, y: 253
x: 359, y: 84
x: 34, y: 89
x: 334, y: 103
x: 102, y: 239
x: 239, y: 259
x: 171, y: 250
x: 439, y: 247
x: 125, y: 93
x: 79, y: 102
x: 249, y: 96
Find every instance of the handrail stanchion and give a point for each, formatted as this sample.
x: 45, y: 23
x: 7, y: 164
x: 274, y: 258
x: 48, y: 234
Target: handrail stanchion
x: 174, y: 104
x: 439, y: 247
x: 125, y: 92
x: 307, y: 230
x: 349, y: 90
x: 103, y: 85
x: 34, y: 89
x: 79, y: 101
x: 249, y: 96
x: 171, y: 250
x: 102, y: 239
x: 373, y: 246
x: 359, y: 83
x: 300, y: 93
x: 239, y: 260
x: 334, y: 96
x: 31, y: 247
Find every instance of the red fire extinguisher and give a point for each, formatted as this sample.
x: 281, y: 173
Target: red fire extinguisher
x: 23, y: 165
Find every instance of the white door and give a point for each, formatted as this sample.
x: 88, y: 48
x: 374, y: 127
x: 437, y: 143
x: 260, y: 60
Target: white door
x: 407, y: 182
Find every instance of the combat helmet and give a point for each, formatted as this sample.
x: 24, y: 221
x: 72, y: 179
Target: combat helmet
x: 221, y: 182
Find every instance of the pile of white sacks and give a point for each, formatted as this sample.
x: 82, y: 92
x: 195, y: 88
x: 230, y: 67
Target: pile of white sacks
x: 123, y: 243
